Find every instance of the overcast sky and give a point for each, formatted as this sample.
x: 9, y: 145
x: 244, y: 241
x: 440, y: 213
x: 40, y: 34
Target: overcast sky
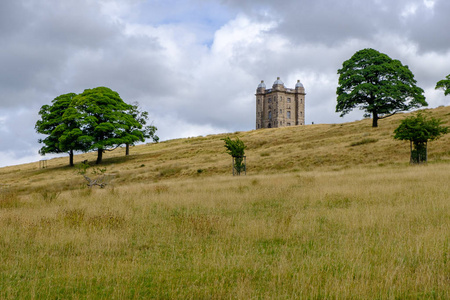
x: 194, y: 65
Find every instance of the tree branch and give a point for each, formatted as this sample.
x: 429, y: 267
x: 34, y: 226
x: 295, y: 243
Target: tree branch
x: 390, y: 115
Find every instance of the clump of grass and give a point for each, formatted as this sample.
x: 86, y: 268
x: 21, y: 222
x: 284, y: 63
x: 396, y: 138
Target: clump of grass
x: 195, y: 223
x: 9, y: 199
x: 337, y: 201
x: 160, y: 188
x: 83, y: 192
x: 108, y: 220
x: 48, y: 195
x: 263, y: 154
x: 363, y: 142
x: 170, y: 171
x: 73, y: 217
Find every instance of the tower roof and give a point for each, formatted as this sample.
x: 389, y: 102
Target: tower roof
x: 299, y: 84
x: 262, y: 84
x: 278, y: 81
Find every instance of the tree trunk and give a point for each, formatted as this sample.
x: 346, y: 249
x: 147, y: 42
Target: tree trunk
x: 127, y: 149
x: 375, y: 120
x: 419, y: 153
x: 99, y: 156
x: 71, y: 158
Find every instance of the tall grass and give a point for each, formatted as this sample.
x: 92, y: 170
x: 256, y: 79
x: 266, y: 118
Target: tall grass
x: 370, y: 232
x: 326, y: 211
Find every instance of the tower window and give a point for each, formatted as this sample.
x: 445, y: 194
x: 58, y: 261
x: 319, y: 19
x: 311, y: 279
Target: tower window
x: 270, y: 100
x: 288, y: 114
x: 270, y: 115
x: 288, y: 100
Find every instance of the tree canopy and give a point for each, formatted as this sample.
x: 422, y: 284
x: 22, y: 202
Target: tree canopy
x: 63, y: 133
x: 419, y: 129
x: 148, y: 131
x: 105, y: 121
x: 444, y: 84
x: 377, y: 84
x: 95, y: 119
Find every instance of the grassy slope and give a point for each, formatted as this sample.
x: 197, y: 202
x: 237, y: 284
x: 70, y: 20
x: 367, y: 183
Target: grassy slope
x: 314, y: 218
x: 294, y: 149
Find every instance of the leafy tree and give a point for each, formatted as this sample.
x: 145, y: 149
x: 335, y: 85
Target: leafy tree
x: 444, y: 84
x: 419, y: 130
x: 105, y: 121
x: 236, y: 149
x: 148, y: 132
x: 377, y: 84
x: 63, y: 133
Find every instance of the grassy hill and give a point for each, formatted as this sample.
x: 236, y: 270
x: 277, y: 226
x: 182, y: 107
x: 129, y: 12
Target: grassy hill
x: 325, y: 211
x: 283, y: 150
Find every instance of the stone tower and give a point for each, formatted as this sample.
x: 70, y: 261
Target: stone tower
x: 280, y: 106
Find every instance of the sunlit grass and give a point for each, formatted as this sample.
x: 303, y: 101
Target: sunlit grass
x: 358, y: 233
x: 314, y: 218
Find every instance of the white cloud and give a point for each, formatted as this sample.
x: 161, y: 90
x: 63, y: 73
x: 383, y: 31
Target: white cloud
x: 429, y: 3
x: 409, y: 10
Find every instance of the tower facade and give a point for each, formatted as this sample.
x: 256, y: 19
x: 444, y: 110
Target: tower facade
x: 280, y: 106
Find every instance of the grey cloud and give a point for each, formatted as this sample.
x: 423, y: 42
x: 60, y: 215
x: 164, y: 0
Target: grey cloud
x: 429, y: 28
x: 133, y: 68
x: 36, y: 48
x: 68, y: 24
x: 13, y: 17
x: 333, y: 22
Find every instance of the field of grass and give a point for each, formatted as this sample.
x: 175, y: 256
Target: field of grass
x: 325, y: 211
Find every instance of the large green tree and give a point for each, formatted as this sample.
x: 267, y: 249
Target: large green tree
x: 105, y: 120
x: 418, y: 130
x: 377, y: 84
x: 63, y: 133
x: 444, y: 84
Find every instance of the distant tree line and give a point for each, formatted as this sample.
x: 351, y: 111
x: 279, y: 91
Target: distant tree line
x: 97, y: 119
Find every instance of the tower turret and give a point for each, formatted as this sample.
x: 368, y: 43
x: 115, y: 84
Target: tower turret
x: 261, y: 87
x: 278, y: 84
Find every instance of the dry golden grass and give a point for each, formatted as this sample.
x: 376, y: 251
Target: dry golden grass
x: 316, y: 217
x: 294, y: 149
